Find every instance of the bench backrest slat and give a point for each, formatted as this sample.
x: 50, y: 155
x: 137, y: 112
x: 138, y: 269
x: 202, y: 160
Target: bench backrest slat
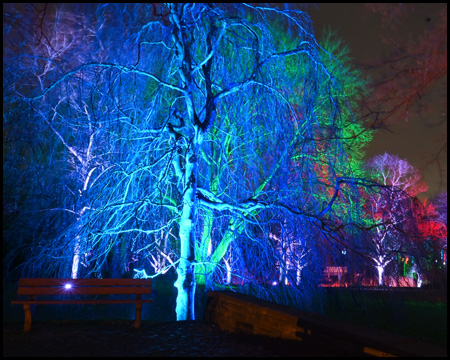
x: 85, y: 282
x: 84, y: 286
x: 61, y: 290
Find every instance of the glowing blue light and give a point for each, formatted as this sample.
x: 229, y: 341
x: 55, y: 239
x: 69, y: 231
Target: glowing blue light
x: 68, y: 286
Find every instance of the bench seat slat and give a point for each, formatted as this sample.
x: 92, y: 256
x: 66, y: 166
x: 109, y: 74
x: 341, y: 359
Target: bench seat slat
x: 62, y: 302
x: 85, y: 282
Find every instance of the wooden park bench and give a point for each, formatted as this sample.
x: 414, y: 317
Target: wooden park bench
x: 66, y: 291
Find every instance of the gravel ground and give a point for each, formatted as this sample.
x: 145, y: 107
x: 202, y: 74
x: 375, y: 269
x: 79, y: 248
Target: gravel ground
x: 118, y: 338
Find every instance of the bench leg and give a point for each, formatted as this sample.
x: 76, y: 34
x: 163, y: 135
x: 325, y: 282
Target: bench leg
x: 27, y: 310
x: 137, y: 317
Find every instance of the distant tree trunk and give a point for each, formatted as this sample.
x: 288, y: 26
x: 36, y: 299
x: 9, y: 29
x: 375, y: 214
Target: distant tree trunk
x: 76, y: 258
x: 77, y: 246
x: 380, y: 270
x: 76, y: 251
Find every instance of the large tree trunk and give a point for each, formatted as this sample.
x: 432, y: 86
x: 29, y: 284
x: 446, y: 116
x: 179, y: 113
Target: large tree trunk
x: 185, y: 285
x: 185, y: 282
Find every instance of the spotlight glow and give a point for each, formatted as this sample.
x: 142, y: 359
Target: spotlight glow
x: 68, y: 286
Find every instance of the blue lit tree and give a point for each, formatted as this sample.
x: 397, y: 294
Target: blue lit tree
x: 196, y: 136
x: 79, y: 155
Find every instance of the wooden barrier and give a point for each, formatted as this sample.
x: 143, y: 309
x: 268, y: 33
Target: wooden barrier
x: 241, y: 313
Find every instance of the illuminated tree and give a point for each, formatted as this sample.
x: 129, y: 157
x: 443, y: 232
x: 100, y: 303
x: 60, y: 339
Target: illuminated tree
x: 391, y: 206
x: 394, y: 171
x: 430, y: 248
x: 68, y: 118
x: 440, y: 227
x: 441, y: 208
x: 219, y: 146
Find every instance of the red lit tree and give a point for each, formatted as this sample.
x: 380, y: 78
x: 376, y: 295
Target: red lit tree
x: 416, y: 64
x: 430, y: 245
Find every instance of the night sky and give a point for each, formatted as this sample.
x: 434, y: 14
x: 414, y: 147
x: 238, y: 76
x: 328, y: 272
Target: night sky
x: 420, y: 139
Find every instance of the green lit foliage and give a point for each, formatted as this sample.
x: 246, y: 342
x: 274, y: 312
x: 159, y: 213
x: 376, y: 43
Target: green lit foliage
x: 301, y: 163
x: 356, y: 136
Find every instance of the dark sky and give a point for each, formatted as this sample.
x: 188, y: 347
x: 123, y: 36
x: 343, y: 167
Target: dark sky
x: 420, y: 139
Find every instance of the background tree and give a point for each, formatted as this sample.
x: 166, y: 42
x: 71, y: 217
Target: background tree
x: 416, y: 64
x: 391, y: 206
x: 409, y: 80
x: 430, y: 250
x: 78, y: 154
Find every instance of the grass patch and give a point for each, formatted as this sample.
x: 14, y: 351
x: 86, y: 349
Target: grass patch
x: 391, y: 311
x: 414, y: 313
